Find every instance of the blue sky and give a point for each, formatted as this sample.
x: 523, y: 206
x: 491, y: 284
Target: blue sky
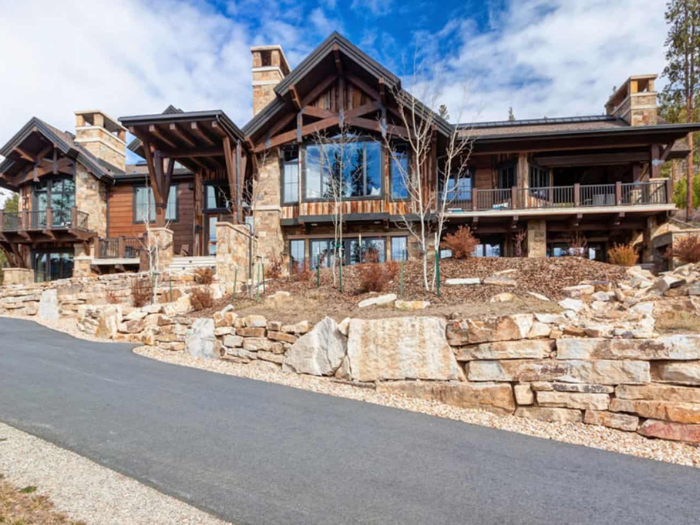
x: 542, y: 57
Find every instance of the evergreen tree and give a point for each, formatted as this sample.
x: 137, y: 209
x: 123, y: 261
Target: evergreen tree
x: 683, y: 71
x: 444, y: 113
x: 511, y: 115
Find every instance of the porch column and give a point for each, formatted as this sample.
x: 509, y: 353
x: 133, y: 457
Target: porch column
x: 82, y: 261
x: 537, y: 238
x: 12, y: 276
x: 649, y: 233
x: 159, y: 249
x: 234, y: 245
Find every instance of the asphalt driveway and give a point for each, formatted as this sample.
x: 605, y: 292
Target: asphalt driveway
x: 254, y: 452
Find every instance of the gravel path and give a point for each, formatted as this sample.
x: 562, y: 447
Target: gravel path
x: 575, y: 433
x: 87, y: 491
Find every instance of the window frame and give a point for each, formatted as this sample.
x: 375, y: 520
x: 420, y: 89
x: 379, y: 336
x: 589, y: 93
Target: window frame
x: 409, y: 159
x: 283, y: 178
x: 291, y: 259
x: 205, y: 185
x: 391, y: 247
x: 501, y: 168
x: 175, y: 186
x: 304, y: 188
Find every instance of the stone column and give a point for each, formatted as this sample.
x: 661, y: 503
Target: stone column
x: 17, y: 276
x: 232, y: 252
x: 82, y: 261
x: 648, y: 236
x: 160, y: 239
x: 537, y: 238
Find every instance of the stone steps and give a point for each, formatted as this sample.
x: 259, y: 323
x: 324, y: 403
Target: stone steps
x: 191, y: 263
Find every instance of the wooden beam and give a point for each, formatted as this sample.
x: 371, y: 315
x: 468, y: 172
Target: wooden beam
x: 290, y: 136
x: 617, y: 219
x: 313, y: 111
x: 382, y: 91
x: 375, y: 125
x: 320, y: 88
x: 238, y: 199
x: 182, y: 135
x: 26, y: 156
x: 215, y: 151
x: 231, y: 173
x: 575, y: 220
x: 364, y: 87
x: 201, y: 134
x: 296, y: 99
x: 364, y: 109
x: 216, y: 128
x: 156, y: 132
x: 592, y: 159
x: 338, y: 62
x: 280, y: 124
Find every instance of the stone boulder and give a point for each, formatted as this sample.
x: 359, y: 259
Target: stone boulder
x: 201, y: 341
x: 108, y: 321
x: 399, y: 348
x: 550, y: 415
x: 378, y: 301
x: 318, y: 352
x: 474, y: 331
x: 48, y: 305
x: 671, y: 347
x: 524, y: 349
x: 672, y: 431
x: 614, y: 420
x: 493, y: 397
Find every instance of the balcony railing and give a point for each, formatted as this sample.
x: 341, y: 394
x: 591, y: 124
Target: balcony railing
x: 576, y: 196
x: 118, y: 248
x: 48, y: 219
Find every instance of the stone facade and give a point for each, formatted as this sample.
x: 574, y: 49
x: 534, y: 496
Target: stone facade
x: 267, y: 210
x: 102, y: 136
x: 12, y: 276
x: 537, y: 238
x: 269, y: 68
x: 234, y: 245
x: 91, y: 198
x: 160, y: 242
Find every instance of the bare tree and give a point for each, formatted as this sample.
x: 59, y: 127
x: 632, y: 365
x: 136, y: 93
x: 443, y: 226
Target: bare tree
x: 151, y: 245
x: 341, y: 172
x: 429, y: 198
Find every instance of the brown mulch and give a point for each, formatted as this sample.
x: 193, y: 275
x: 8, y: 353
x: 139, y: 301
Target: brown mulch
x: 544, y: 276
x: 24, y: 506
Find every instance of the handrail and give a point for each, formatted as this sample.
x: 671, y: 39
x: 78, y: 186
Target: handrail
x: 47, y: 219
x: 118, y: 248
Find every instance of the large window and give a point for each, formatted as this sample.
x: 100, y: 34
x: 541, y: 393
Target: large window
x: 399, y: 172
x: 399, y: 249
x: 145, y: 204
x: 349, y: 170
x: 507, y: 176
x: 52, y: 265
x: 217, y: 196
x: 297, y: 253
x: 371, y: 249
x: 488, y: 250
x: 459, y: 189
x: 290, y: 176
x: 321, y: 252
x: 58, y: 194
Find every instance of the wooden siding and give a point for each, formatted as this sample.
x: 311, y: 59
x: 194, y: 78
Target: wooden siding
x: 121, y: 215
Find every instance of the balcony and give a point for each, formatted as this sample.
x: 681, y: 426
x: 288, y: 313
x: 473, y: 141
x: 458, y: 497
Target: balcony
x: 564, y: 198
x: 27, y: 223
x: 112, y: 248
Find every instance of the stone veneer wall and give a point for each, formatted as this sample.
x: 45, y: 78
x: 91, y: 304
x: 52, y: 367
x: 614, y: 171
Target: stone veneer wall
x: 267, y: 209
x: 91, y: 198
x: 234, y: 244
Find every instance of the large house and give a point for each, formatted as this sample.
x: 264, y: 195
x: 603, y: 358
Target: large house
x: 209, y: 189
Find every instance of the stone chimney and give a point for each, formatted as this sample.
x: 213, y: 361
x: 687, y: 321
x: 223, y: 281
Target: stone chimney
x: 635, y: 101
x: 102, y: 136
x: 270, y: 66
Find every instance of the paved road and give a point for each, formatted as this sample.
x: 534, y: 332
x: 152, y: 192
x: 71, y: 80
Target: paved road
x: 254, y: 452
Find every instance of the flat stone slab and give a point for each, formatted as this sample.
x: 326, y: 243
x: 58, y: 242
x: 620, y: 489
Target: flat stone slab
x: 672, y: 347
x: 48, y: 305
x: 378, y: 301
x: 467, y: 281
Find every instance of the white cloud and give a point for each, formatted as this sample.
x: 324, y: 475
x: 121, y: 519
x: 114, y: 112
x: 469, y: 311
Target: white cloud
x: 554, y: 57
x: 375, y: 7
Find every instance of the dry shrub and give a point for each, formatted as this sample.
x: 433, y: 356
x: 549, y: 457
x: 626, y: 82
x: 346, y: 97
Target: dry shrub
x: 112, y: 298
x: 141, y: 291
x: 518, y: 240
x: 462, y: 243
x: 201, y: 298
x: 686, y: 249
x: 577, y: 245
x: 275, y: 268
x: 623, y: 255
x: 302, y: 273
x: 374, y: 277
x: 204, y: 275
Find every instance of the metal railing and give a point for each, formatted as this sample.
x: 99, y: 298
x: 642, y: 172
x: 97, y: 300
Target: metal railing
x: 118, y: 248
x: 48, y: 219
x: 576, y: 196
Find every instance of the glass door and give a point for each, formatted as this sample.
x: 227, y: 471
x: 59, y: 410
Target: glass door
x: 62, y: 202
x: 211, y: 234
x: 52, y: 265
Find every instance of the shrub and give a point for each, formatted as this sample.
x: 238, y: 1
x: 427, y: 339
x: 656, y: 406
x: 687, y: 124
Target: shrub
x: 375, y: 276
x: 577, y: 245
x: 204, y: 275
x: 302, y: 272
x: 141, y: 291
x: 686, y: 249
x: 623, y: 255
x: 201, y: 298
x: 462, y: 243
x: 275, y: 268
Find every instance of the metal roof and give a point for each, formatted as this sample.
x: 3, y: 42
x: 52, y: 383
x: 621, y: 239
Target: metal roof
x: 534, y: 122
x: 217, y: 114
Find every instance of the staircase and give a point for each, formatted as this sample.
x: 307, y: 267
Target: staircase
x: 183, y: 264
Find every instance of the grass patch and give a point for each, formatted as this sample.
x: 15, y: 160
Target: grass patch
x: 28, y: 490
x: 670, y: 322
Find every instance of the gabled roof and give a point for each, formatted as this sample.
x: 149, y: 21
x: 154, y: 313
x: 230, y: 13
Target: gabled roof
x: 368, y: 65
x: 65, y: 143
x: 135, y: 144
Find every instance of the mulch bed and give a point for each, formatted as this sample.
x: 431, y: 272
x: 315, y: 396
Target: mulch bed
x: 543, y: 276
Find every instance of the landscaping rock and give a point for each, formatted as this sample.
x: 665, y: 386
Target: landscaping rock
x: 254, y: 344
x: 299, y: 328
x: 486, y: 396
x: 665, y: 283
x: 574, y: 400
x: 654, y: 392
x: 502, y: 298
x: 255, y: 321
x: 378, y: 301
x: 523, y: 349
x: 411, y: 305
x: 611, y: 420
x: 672, y: 431
x: 527, y: 370
x: 539, y: 330
x: 505, y: 328
x: 400, y: 348
x: 108, y: 322
x: 578, y: 290
x: 282, y: 337
x: 48, y: 305
x: 550, y: 415
x: 672, y: 347
x: 319, y: 352
x: 539, y: 296
x: 251, y: 332
x: 201, y: 341
x: 575, y: 305
x: 496, y: 280
x: 136, y: 315
x: 467, y: 281
x: 664, y: 410
x: 572, y: 387
x: 524, y: 394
